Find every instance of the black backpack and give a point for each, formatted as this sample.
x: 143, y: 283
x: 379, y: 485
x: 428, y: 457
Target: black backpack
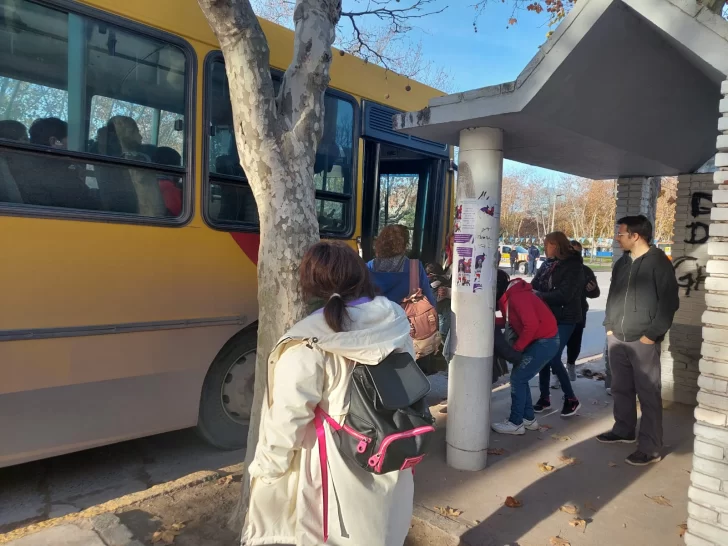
x: 389, y: 426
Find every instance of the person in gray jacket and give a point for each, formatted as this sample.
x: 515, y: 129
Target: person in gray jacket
x: 643, y: 299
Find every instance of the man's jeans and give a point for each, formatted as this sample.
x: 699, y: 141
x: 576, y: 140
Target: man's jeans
x: 636, y: 371
x: 558, y: 369
x: 535, y: 357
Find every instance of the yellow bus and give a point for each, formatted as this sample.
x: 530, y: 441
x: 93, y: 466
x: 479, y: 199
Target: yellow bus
x: 128, y: 230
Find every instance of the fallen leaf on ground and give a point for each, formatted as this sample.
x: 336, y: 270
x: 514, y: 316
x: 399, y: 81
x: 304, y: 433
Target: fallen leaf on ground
x: 662, y: 501
x: 561, y: 438
x: 166, y: 535
x: 558, y: 541
x: 590, y: 506
x: 595, y: 402
x: 496, y: 451
x: 569, y: 460
x: 448, y: 511
x: 569, y: 509
x: 545, y: 467
x: 544, y: 428
x: 682, y: 529
x: 613, y: 465
x: 599, y: 376
x: 225, y: 480
x: 578, y: 523
x: 513, y: 503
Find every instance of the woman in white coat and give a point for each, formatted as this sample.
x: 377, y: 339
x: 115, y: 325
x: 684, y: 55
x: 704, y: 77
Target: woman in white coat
x: 310, y: 367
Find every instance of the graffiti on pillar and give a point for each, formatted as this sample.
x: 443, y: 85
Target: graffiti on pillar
x: 697, y: 208
x: 698, y: 233
x: 689, y: 273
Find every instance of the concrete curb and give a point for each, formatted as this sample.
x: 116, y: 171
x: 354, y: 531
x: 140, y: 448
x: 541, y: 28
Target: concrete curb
x: 190, y: 480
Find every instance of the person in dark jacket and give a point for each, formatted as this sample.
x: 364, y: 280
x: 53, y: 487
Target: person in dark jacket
x: 513, y: 258
x: 537, y: 340
x: 559, y: 282
x: 591, y: 290
x: 533, y: 256
x: 643, y: 298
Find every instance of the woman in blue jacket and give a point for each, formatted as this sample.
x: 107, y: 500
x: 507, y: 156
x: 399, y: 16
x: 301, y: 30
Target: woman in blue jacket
x: 390, y: 268
x: 391, y: 275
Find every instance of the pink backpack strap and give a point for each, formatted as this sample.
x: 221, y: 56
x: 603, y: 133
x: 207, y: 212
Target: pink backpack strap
x: 319, y: 417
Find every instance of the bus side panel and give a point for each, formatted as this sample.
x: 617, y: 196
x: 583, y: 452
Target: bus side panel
x: 62, y: 395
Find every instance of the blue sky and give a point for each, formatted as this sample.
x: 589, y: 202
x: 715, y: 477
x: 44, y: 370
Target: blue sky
x: 495, y: 54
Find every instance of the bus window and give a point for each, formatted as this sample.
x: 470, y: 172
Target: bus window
x: 157, y: 128
x: 79, y: 86
x: 230, y: 203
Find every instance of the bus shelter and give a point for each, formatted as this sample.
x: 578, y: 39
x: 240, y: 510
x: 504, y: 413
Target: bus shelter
x: 631, y: 90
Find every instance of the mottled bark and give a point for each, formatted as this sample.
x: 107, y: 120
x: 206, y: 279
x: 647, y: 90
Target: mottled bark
x: 277, y: 139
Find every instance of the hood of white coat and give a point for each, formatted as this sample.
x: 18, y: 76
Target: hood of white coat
x: 377, y: 328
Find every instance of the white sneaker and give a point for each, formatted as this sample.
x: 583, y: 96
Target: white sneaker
x: 572, y: 371
x: 530, y: 425
x: 555, y: 383
x: 609, y: 391
x: 506, y: 427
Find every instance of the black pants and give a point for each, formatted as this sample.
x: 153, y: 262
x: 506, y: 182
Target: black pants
x: 636, y: 370
x: 573, y: 347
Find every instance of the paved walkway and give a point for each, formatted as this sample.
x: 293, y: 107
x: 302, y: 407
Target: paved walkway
x: 611, y: 496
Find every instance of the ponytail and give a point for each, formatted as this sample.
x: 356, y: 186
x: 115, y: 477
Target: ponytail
x: 336, y: 314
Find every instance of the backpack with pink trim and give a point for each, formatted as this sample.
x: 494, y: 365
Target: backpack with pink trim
x: 389, y: 425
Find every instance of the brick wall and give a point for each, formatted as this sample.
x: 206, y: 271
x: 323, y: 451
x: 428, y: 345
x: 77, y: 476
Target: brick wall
x: 681, y: 348
x: 635, y: 196
x: 708, y: 494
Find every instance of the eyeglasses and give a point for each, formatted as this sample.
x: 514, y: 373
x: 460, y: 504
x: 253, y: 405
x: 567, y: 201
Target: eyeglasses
x: 623, y: 234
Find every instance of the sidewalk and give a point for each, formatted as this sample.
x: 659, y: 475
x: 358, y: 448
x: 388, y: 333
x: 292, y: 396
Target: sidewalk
x: 611, y: 496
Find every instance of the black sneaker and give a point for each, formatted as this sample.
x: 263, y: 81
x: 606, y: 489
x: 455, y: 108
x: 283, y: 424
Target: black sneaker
x: 642, y: 459
x: 542, y: 404
x: 571, y: 406
x: 611, y: 438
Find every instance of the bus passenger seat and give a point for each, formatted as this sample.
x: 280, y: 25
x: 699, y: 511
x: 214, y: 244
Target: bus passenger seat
x: 9, y: 192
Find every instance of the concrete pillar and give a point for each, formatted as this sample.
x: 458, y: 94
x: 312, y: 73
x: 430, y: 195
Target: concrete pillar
x: 637, y: 195
x: 477, y: 224
x: 708, y: 494
x: 681, y: 349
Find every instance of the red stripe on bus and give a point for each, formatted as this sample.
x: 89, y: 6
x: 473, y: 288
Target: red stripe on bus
x: 248, y: 243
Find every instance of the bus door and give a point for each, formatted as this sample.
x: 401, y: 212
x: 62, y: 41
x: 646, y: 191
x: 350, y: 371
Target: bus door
x: 406, y: 182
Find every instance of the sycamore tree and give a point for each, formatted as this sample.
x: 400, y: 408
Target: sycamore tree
x: 277, y: 135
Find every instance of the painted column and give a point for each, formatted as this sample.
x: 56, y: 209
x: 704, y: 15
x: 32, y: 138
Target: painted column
x: 708, y: 493
x: 476, y: 227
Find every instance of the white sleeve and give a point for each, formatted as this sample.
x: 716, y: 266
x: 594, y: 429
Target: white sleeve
x: 297, y: 388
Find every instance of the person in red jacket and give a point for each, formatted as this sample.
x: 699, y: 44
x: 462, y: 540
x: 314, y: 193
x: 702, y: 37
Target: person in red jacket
x: 528, y: 318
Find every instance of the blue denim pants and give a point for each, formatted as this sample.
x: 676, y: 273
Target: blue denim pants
x: 557, y: 367
x: 536, y: 356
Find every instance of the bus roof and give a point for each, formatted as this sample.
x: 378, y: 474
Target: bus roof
x: 348, y: 73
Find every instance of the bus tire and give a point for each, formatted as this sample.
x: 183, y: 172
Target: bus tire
x: 522, y: 267
x: 227, y: 395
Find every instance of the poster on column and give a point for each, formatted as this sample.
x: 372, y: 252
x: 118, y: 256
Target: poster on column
x: 464, y: 257
x: 483, y: 274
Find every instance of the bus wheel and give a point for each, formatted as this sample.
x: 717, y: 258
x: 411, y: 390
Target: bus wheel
x: 522, y: 267
x: 227, y: 395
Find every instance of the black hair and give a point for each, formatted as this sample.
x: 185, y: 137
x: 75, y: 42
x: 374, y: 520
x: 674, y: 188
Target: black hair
x: 637, y: 225
x: 13, y: 130
x: 44, y: 129
x: 167, y: 156
x: 501, y: 284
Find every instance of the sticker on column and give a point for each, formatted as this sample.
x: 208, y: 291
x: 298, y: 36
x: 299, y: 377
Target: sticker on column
x: 478, y: 277
x: 464, y: 256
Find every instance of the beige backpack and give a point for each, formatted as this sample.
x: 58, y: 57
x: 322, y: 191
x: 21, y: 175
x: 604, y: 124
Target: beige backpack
x: 421, y: 315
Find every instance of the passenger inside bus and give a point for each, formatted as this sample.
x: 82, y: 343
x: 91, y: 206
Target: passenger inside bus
x: 13, y: 130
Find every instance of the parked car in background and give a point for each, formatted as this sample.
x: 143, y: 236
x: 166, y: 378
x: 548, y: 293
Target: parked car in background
x: 522, y: 260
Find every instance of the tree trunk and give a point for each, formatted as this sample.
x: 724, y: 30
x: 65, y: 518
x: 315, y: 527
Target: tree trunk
x: 276, y: 139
